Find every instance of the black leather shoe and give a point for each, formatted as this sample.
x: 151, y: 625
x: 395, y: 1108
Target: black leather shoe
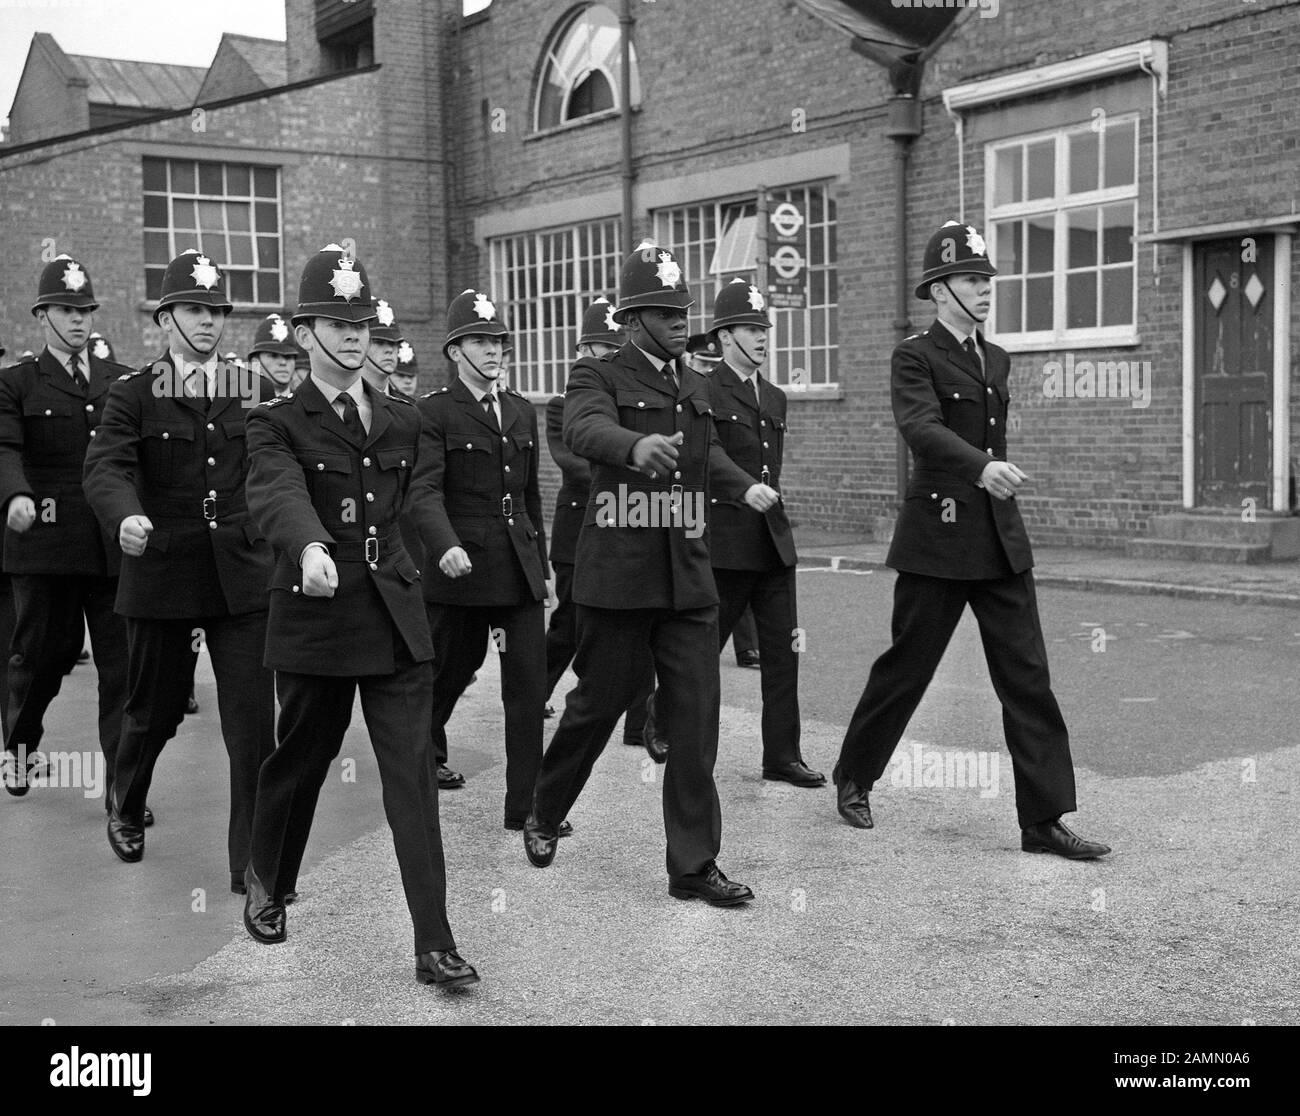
x: 1054, y: 837
x: 711, y: 886
x: 263, y: 913
x: 14, y: 777
x: 148, y: 817
x: 446, y: 968
x: 290, y: 897
x: 83, y: 657
x: 548, y: 712
x: 565, y: 830
x: 237, y: 886
x: 125, y: 838
x: 796, y: 772
x: 539, y: 842
x: 852, y: 801
x: 749, y: 659
x: 655, y: 745
x: 449, y: 779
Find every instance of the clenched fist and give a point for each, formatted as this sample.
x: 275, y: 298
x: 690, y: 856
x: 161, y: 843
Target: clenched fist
x: 656, y: 453
x: 22, y: 513
x: 320, y: 577
x: 455, y: 563
x: 760, y: 497
x: 1001, y: 478
x: 133, y: 534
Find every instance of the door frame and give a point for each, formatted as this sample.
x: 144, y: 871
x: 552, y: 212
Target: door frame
x: 1281, y: 404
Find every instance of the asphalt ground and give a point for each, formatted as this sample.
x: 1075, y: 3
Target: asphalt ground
x: 1183, y: 735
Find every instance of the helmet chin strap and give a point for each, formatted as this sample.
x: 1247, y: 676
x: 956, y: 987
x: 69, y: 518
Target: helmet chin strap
x: 371, y: 361
x: 326, y: 350
x: 59, y: 334
x: 748, y: 355
x: 205, y: 352
x: 470, y: 361
x: 661, y: 352
x: 960, y: 303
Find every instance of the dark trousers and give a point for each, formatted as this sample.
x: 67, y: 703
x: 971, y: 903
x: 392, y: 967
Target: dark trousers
x: 460, y: 642
x: 771, y: 595
x: 926, y: 611
x: 562, y: 645
x: 684, y: 646
x: 160, y: 669
x: 47, y: 638
x: 744, y: 635
x: 314, y: 716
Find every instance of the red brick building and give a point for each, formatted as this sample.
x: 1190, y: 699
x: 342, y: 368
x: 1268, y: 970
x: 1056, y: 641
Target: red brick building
x: 1131, y: 167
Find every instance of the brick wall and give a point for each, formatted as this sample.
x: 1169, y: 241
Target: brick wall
x: 47, y: 102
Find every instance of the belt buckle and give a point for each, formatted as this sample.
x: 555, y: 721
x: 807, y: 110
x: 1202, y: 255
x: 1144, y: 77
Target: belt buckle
x: 765, y: 475
x: 372, y: 549
x: 507, y: 505
x: 209, y: 507
x: 675, y: 497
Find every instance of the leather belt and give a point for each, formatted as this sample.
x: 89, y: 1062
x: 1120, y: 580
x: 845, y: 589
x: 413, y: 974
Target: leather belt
x: 366, y: 550
x: 207, y: 507
x: 487, y: 509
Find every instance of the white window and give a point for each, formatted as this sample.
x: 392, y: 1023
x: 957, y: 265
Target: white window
x: 718, y: 241
x: 230, y: 211
x: 1062, y: 211
x: 581, y: 73
x: 545, y: 281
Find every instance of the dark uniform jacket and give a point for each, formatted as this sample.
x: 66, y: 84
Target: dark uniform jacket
x: 955, y: 423
x: 486, y: 498
x: 575, y: 486
x: 753, y: 434
x: 609, y: 405
x: 180, y: 461
x: 309, y: 480
x: 45, y: 426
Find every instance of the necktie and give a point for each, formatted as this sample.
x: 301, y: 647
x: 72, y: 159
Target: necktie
x: 200, y: 380
x: 490, y: 410
x: 351, y: 416
x: 758, y: 397
x: 973, y: 349
x: 78, y: 377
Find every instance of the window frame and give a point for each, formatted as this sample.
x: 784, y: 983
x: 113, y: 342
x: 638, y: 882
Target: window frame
x: 550, y: 61
x: 1060, y: 205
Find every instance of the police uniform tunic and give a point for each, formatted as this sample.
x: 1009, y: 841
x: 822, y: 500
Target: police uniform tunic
x: 753, y: 552
x: 639, y: 586
x: 956, y: 545
x: 165, y: 451
x: 312, y: 480
x: 487, y: 500
x: 63, y: 567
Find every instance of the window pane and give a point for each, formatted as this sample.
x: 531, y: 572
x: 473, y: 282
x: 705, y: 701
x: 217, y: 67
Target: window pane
x: 1008, y: 175
x: 1117, y: 236
x: 236, y: 180
x: 1120, y: 142
x: 1042, y: 242
x: 1042, y: 169
x: 267, y: 221
x: 156, y: 248
x: 1081, y: 229
x: 264, y: 182
x: 182, y: 174
x: 1081, y: 300
x: 155, y: 174
x: 1117, y: 296
x: 240, y: 285
x: 210, y: 178
x: 268, y: 251
x: 237, y: 217
x: 1007, y: 296
x: 241, y: 251
x: 1085, y: 161
x: 155, y: 211
x: 1011, y: 253
x: 183, y: 214
x: 1038, y: 303
x: 153, y: 277
x: 268, y: 286
x: 212, y: 216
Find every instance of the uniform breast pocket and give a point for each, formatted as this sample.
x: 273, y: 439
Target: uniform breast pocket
x: 164, y: 448
x: 395, y: 469
x: 48, y: 429
x: 521, y: 450
x: 944, y: 509
x: 469, y: 458
x: 645, y: 412
x: 329, y: 480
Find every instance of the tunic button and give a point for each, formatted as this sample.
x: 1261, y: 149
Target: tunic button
x: 762, y: 422
x: 366, y: 462
x: 374, y: 531
x: 295, y: 589
x: 679, y: 407
x: 735, y: 418
x: 989, y: 451
x: 213, y: 525
x: 469, y: 445
x: 374, y: 565
x: 212, y: 492
x: 212, y: 460
x: 765, y: 445
x: 403, y: 462
x: 320, y: 466
x: 956, y: 395
x: 211, y: 427
x: 573, y: 503
x: 677, y: 475
x: 504, y: 438
x: 934, y: 495
x: 989, y: 390
x: 510, y: 522
x: 507, y: 468
x: 90, y: 406
x: 165, y: 434
x: 370, y: 497
x: 993, y: 422
x: 640, y: 403
x: 713, y: 500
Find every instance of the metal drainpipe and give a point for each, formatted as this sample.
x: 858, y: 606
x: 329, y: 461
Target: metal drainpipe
x: 625, y: 22
x: 903, y: 127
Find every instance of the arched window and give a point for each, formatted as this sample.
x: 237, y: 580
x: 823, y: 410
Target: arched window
x: 581, y: 71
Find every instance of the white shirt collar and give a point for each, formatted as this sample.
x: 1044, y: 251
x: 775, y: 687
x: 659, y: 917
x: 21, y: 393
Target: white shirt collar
x: 962, y: 338
x: 657, y: 362
x: 331, y: 393
x: 63, y: 358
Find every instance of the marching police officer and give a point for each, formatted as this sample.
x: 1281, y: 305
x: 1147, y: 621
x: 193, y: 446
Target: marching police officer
x: 381, y: 357
x: 405, y: 377
x: 642, y: 576
x: 165, y: 474
x: 487, y: 571
x: 63, y: 568
x: 702, y: 353
x: 273, y: 353
x: 331, y: 468
x: 753, y: 552
x: 101, y: 347
x: 960, y: 541
x: 600, y: 337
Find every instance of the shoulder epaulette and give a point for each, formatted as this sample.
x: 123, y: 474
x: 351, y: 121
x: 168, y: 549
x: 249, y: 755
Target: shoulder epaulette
x: 402, y: 399
x: 512, y: 391
x: 437, y: 391
x: 277, y: 399
x: 133, y: 374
